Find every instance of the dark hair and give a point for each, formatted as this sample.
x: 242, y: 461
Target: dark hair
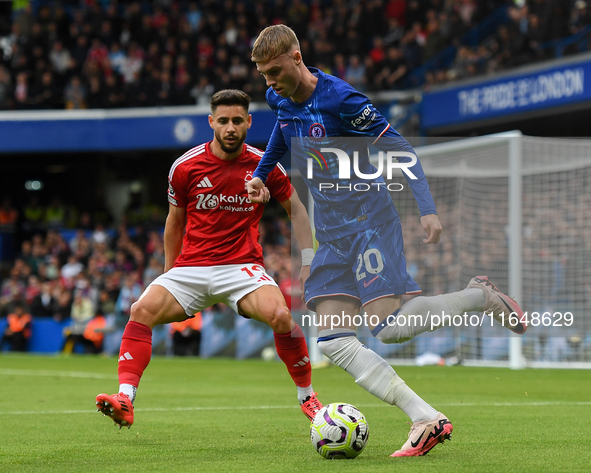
x: 230, y: 97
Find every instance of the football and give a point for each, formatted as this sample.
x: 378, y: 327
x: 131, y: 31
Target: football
x: 339, y: 430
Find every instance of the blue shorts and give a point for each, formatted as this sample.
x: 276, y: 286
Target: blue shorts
x: 365, y: 266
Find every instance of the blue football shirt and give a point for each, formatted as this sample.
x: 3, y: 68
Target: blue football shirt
x: 335, y: 109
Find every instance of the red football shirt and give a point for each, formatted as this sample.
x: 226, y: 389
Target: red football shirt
x: 222, y: 223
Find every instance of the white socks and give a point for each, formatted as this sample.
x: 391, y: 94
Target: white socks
x: 419, y: 410
x: 372, y: 372
x: 424, y: 314
x: 129, y: 390
x: 303, y: 393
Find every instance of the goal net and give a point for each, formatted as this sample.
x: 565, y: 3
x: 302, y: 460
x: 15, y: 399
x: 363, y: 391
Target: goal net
x: 549, y: 271
x: 517, y: 209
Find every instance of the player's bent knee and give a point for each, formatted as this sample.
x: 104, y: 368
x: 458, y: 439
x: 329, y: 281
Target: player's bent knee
x: 142, y: 315
x: 340, y: 350
x: 279, y: 320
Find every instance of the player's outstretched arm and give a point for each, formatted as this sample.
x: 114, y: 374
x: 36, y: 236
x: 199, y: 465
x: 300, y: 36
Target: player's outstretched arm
x: 257, y: 192
x: 300, y: 223
x: 276, y: 148
x: 432, y: 227
x: 173, y: 235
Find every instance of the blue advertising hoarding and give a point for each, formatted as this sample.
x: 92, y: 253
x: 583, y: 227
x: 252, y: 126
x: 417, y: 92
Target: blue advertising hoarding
x: 566, y: 84
x: 116, y: 130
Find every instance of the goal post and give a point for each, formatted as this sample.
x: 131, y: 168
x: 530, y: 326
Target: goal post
x: 514, y: 148
x: 516, y: 359
x: 518, y: 207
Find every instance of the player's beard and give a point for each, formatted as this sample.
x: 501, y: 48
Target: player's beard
x: 230, y: 148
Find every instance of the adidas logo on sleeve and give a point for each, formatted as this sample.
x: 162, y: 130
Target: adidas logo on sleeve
x: 205, y: 182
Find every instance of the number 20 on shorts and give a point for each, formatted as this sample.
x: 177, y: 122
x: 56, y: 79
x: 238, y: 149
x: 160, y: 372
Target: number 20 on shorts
x: 372, y: 265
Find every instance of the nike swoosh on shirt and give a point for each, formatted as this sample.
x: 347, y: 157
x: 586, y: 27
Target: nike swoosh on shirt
x: 368, y: 283
x: 283, y: 125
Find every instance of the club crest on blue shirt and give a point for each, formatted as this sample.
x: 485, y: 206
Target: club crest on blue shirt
x: 317, y: 131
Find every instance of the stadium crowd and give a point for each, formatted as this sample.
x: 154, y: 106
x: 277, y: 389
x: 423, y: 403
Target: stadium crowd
x: 95, y: 54
x: 76, y: 269
x: 106, y: 54
x: 89, y: 269
x: 90, y: 275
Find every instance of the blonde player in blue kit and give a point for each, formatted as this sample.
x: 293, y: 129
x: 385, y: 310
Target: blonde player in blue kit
x: 360, y: 261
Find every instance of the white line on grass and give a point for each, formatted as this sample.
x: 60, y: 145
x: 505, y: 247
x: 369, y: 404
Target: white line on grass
x: 67, y: 374
x: 155, y: 409
x: 516, y: 404
x: 362, y: 406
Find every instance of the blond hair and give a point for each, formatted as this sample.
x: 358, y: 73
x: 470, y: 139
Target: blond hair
x: 272, y: 42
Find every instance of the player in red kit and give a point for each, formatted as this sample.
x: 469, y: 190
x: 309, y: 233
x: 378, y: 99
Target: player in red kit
x: 219, y: 259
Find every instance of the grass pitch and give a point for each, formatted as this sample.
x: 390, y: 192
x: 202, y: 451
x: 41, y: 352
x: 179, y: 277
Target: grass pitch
x: 226, y: 415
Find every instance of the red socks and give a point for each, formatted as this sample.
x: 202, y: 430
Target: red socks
x: 135, y: 353
x: 293, y: 351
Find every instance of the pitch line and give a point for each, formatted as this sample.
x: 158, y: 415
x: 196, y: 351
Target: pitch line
x: 249, y: 408
x: 66, y: 374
